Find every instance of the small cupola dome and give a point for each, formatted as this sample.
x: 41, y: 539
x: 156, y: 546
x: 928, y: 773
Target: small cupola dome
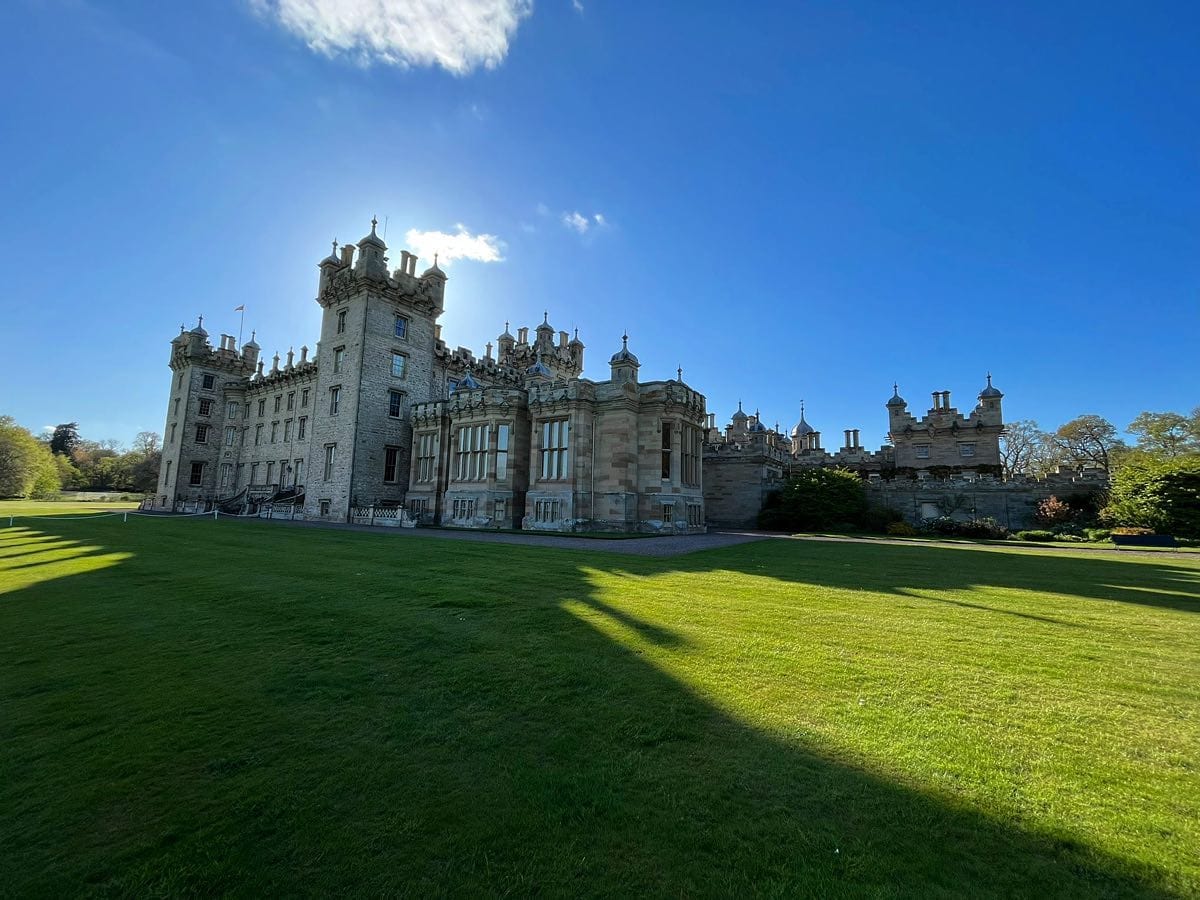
x: 372, y: 239
x: 199, y: 329
x: 740, y: 416
x: 575, y: 341
x: 506, y: 336
x: 332, y: 258
x: 990, y: 392
x: 624, y: 355
x: 434, y: 271
x: 896, y: 400
x: 251, y: 344
x: 802, y: 427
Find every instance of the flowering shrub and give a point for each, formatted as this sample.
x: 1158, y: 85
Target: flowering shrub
x: 901, y: 529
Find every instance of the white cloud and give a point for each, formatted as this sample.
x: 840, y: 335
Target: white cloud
x: 458, y: 35
x: 460, y: 245
x: 576, y: 222
x: 581, y: 224
x: 543, y: 209
x: 578, y: 6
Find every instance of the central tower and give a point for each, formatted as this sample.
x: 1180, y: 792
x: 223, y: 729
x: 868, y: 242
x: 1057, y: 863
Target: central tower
x: 375, y: 358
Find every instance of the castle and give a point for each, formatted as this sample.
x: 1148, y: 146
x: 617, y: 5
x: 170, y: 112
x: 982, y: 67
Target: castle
x: 386, y: 414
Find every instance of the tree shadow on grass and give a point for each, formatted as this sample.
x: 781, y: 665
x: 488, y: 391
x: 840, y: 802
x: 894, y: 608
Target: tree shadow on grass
x: 320, y: 718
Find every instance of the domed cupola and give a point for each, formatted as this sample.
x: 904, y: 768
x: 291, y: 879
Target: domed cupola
x: 758, y: 427
x: 990, y: 392
x: 802, y: 427
x: 896, y: 401
x: 372, y: 258
x: 434, y: 271
x: 624, y: 364
x: 739, y: 416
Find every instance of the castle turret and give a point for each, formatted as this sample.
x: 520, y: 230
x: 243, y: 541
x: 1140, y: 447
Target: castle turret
x: 989, y: 410
x: 435, y: 280
x: 328, y: 266
x: 372, y: 255
x: 577, y: 348
x: 250, y: 351
x: 545, y: 333
x: 505, y: 343
x: 624, y: 364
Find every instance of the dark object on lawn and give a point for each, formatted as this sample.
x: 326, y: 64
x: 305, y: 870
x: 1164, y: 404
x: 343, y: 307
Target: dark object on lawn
x: 1142, y: 540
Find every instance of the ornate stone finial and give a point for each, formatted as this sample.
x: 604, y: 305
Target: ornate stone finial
x: 576, y: 334
x: 201, y: 322
x: 546, y: 317
x: 435, y: 256
x: 625, y: 340
x: 896, y: 388
x: 335, y: 246
x: 989, y: 379
x: 182, y: 328
x: 374, y: 222
x: 252, y: 334
x: 506, y: 326
x: 739, y: 406
x: 679, y: 373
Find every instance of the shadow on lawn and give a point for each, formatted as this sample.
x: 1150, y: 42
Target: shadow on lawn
x: 283, y: 731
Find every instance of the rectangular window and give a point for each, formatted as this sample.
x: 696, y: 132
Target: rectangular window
x: 330, y: 450
x: 921, y: 451
x: 245, y: 428
x: 545, y: 510
x: 232, y: 408
x: 285, y: 471
x: 274, y: 431
x: 167, y: 473
x: 254, y: 473
x: 425, y: 457
x: 201, y: 434
x: 399, y: 362
x: 335, y: 399
x: 246, y: 410
x: 197, y: 476
x: 471, y: 461
x: 401, y: 327
x: 301, y: 428
x: 395, y: 403
x: 554, y: 449
x: 694, y: 512
x: 690, y: 456
x: 666, y: 451
x: 464, y: 508
x: 299, y: 472
x: 291, y: 404
x: 339, y: 358
x: 176, y: 406
x: 391, y: 465
x: 287, y: 430
x: 258, y: 434
x: 205, y: 407
x: 451, y: 386
x: 230, y: 435
x: 226, y: 475
x: 324, y: 507
x: 270, y: 473
x: 668, y: 512
x: 172, y: 432
x: 501, y: 452
x: 341, y: 321
x: 416, y: 508
x: 209, y: 382
x: 278, y: 401
x: 304, y: 397
x: 241, y: 467
x: 501, y: 511
x: 262, y: 407
x: 966, y: 449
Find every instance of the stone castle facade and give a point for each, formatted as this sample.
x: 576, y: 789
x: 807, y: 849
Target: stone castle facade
x: 386, y: 415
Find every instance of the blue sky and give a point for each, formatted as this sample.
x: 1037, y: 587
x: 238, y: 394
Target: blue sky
x: 793, y: 200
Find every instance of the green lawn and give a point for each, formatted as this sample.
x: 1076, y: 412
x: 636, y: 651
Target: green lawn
x: 196, y: 707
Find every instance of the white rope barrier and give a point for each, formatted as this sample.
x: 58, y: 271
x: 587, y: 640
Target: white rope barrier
x: 125, y: 514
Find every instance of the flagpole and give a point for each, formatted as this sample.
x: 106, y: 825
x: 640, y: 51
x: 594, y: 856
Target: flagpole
x: 240, y: 324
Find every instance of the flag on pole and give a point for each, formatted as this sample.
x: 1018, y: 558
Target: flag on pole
x: 239, y: 308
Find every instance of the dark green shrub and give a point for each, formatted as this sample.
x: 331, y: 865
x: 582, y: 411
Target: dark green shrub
x: 1035, y: 535
x: 1161, y: 494
x: 818, y: 499
x: 878, y: 518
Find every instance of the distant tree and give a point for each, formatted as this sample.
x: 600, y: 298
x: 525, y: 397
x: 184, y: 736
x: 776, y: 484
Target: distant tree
x: 816, y: 499
x: 1168, y: 433
x: 1025, y: 449
x: 65, y: 438
x: 146, y: 442
x: 27, y: 467
x: 1156, y: 492
x: 1088, y: 440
